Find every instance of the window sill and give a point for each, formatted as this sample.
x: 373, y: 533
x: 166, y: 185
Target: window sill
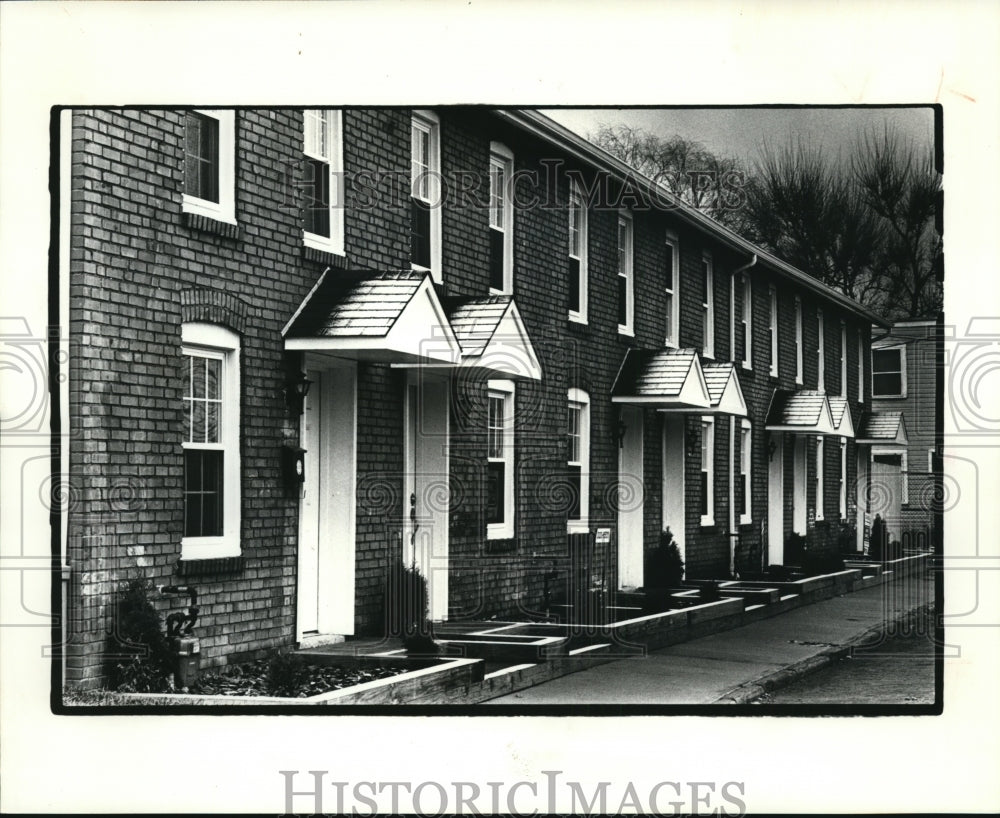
x: 327, y: 257
x: 577, y: 318
x: 626, y: 331
x: 208, y: 224
x: 210, y: 566
x: 706, y: 522
x: 745, y: 520
x: 578, y: 526
x: 499, y: 532
x: 888, y: 397
x: 747, y: 367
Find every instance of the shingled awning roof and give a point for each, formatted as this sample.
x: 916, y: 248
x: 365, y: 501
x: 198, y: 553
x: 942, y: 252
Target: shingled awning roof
x: 841, y: 415
x: 493, y: 336
x: 883, y: 429
x: 668, y: 379
x: 392, y: 316
x: 805, y: 411
x: 724, y: 390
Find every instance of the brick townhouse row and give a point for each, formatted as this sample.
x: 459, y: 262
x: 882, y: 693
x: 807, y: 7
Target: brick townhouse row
x: 307, y: 343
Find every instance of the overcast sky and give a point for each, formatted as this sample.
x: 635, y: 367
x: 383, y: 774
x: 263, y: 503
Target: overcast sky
x: 739, y: 132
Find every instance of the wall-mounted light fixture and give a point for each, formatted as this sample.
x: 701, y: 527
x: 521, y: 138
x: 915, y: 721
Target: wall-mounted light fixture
x: 296, y: 388
x: 693, y: 438
x: 620, y: 429
x: 772, y: 447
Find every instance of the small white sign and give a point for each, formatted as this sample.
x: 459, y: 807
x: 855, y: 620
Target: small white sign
x: 603, y: 536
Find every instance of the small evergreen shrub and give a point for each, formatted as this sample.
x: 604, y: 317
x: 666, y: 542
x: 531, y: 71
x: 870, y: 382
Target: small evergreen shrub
x: 284, y: 674
x: 405, y: 604
x: 141, y: 659
x: 664, y: 567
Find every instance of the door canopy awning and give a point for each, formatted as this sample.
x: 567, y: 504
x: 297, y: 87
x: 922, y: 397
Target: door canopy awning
x: 666, y: 379
x: 724, y: 390
x: 393, y: 317
x: 492, y: 336
x: 885, y: 429
x: 841, y: 415
x: 801, y: 411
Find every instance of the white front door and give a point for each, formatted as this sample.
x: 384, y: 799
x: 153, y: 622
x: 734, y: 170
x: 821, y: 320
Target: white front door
x: 673, y: 477
x: 887, y: 492
x: 325, y: 586
x: 799, y: 488
x: 775, y: 499
x: 631, y: 499
x: 427, y: 485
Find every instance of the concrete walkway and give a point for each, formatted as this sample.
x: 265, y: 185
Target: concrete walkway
x: 737, y: 665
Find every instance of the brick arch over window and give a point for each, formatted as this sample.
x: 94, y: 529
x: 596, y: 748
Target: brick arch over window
x: 214, y: 307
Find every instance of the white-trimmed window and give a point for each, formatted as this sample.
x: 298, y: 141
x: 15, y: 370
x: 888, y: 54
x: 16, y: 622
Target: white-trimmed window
x: 578, y: 460
x: 707, y: 307
x: 889, y: 372
x: 626, y: 294
x: 500, y: 460
x: 707, y: 470
x: 930, y: 461
x: 746, y: 321
x: 861, y: 368
x: 820, y: 462
x: 798, y: 340
x: 772, y: 328
x: 842, y: 504
x: 843, y: 360
x: 743, y: 489
x: 577, y: 272
x: 209, y: 164
x: 323, y: 167
x: 210, y: 413
x: 671, y: 285
x: 820, y: 352
x: 905, y: 474
x: 501, y: 219
x: 425, y: 193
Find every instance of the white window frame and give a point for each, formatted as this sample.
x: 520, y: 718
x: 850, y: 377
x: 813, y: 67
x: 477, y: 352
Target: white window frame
x: 334, y: 157
x: 502, y: 159
x: 746, y: 318
x: 225, y: 209
x: 708, y: 467
x: 579, y: 398
x: 578, y: 204
x: 798, y: 340
x: 902, y: 371
x: 429, y: 123
x: 861, y: 367
x: 746, y: 460
x: 930, y: 461
x: 504, y: 390
x: 843, y: 360
x: 625, y: 270
x: 773, y: 328
x: 673, y: 293
x: 820, y: 487
x: 843, y: 477
x: 820, y: 351
x: 904, y: 467
x: 210, y: 340
x: 708, y: 307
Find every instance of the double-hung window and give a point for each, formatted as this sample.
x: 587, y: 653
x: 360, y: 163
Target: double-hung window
x: 889, y: 372
x: 843, y: 360
x: 323, y: 180
x: 743, y: 489
x: 843, y: 478
x: 626, y: 294
x: 746, y: 322
x: 210, y: 440
x: 798, y: 340
x: 772, y: 328
x: 671, y: 282
x: 820, y: 462
x: 707, y: 470
x: 861, y: 368
x: 820, y: 352
x: 209, y: 164
x: 425, y: 196
x: 578, y: 460
x: 577, y: 272
x: 501, y: 219
x: 707, y: 307
x: 500, y: 460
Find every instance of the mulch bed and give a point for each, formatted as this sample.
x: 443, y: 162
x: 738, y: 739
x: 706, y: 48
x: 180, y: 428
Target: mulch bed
x: 251, y: 679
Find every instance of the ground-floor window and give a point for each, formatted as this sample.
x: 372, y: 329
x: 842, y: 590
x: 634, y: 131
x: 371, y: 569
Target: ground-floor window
x: 500, y: 460
x: 743, y: 486
x: 578, y: 459
x: 707, y: 471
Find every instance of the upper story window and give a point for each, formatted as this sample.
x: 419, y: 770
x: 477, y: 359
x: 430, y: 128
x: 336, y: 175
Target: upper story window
x: 772, y: 328
x: 671, y: 282
x: 843, y: 359
x: 746, y: 323
x: 707, y: 470
x: 578, y: 459
x: 425, y: 195
x: 889, y: 372
x: 500, y: 460
x: 626, y: 295
x: 577, y: 272
x: 743, y: 489
x: 323, y: 176
x: 707, y: 308
x: 798, y: 340
x: 861, y: 368
x: 209, y: 164
x: 820, y: 352
x: 210, y: 414
x: 820, y: 464
x: 501, y: 219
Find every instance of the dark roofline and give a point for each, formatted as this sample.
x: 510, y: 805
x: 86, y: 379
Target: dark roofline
x: 547, y: 129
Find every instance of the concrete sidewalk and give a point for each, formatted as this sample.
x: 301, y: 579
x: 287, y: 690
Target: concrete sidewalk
x: 738, y: 665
